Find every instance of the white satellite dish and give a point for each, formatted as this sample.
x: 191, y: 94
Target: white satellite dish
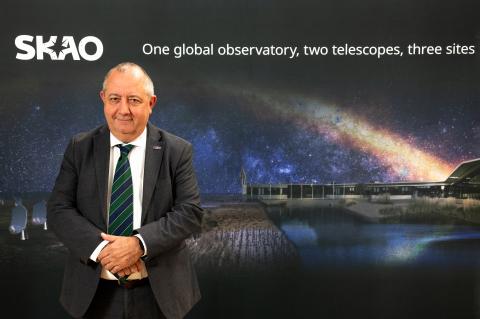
x: 18, y: 223
x: 39, y: 214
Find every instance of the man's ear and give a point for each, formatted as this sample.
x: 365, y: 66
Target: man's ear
x: 152, y: 102
x: 102, y: 95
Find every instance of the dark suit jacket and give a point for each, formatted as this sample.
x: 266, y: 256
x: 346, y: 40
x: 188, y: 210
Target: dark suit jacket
x: 77, y: 213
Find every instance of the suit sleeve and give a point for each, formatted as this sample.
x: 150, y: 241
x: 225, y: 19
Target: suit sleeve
x: 75, y: 231
x: 185, y: 217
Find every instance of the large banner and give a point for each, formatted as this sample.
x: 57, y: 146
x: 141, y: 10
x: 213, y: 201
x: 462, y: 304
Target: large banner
x: 271, y: 94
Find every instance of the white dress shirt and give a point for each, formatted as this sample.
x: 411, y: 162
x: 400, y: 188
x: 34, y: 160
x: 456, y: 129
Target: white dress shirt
x: 136, y: 157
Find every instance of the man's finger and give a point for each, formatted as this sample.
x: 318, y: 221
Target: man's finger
x: 105, y: 261
x: 104, y: 253
x: 133, y: 269
x: 108, y: 237
x: 109, y: 265
x: 137, y: 265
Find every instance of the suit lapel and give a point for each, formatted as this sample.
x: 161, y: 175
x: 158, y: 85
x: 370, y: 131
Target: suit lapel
x: 101, y: 155
x: 153, y: 160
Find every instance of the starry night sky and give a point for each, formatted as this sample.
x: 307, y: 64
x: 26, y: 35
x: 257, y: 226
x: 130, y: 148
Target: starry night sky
x: 311, y: 119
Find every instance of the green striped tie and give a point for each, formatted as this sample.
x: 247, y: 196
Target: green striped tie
x: 120, y: 220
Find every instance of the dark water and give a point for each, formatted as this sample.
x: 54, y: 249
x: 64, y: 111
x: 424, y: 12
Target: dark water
x: 353, y: 268
x: 332, y: 236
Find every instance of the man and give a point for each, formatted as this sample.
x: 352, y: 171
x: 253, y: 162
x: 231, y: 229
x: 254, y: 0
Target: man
x: 125, y: 200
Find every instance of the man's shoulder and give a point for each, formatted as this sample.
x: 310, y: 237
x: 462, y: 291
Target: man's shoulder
x: 170, y: 139
x: 87, y: 136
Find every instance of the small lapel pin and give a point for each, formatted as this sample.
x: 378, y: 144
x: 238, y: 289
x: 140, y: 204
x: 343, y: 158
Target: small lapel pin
x: 157, y: 147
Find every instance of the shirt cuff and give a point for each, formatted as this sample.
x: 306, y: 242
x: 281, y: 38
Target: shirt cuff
x: 143, y: 244
x: 97, y: 250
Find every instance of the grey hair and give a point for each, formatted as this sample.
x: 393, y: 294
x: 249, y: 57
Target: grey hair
x: 123, y: 67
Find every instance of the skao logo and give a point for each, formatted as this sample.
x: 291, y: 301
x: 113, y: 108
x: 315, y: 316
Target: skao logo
x: 58, y: 48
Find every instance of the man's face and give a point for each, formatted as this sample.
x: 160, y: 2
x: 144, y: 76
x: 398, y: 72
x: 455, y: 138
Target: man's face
x: 127, y: 106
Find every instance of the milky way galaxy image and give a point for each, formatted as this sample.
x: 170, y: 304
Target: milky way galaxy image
x: 310, y: 119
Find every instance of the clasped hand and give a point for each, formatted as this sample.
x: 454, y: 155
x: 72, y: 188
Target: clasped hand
x: 121, y: 255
